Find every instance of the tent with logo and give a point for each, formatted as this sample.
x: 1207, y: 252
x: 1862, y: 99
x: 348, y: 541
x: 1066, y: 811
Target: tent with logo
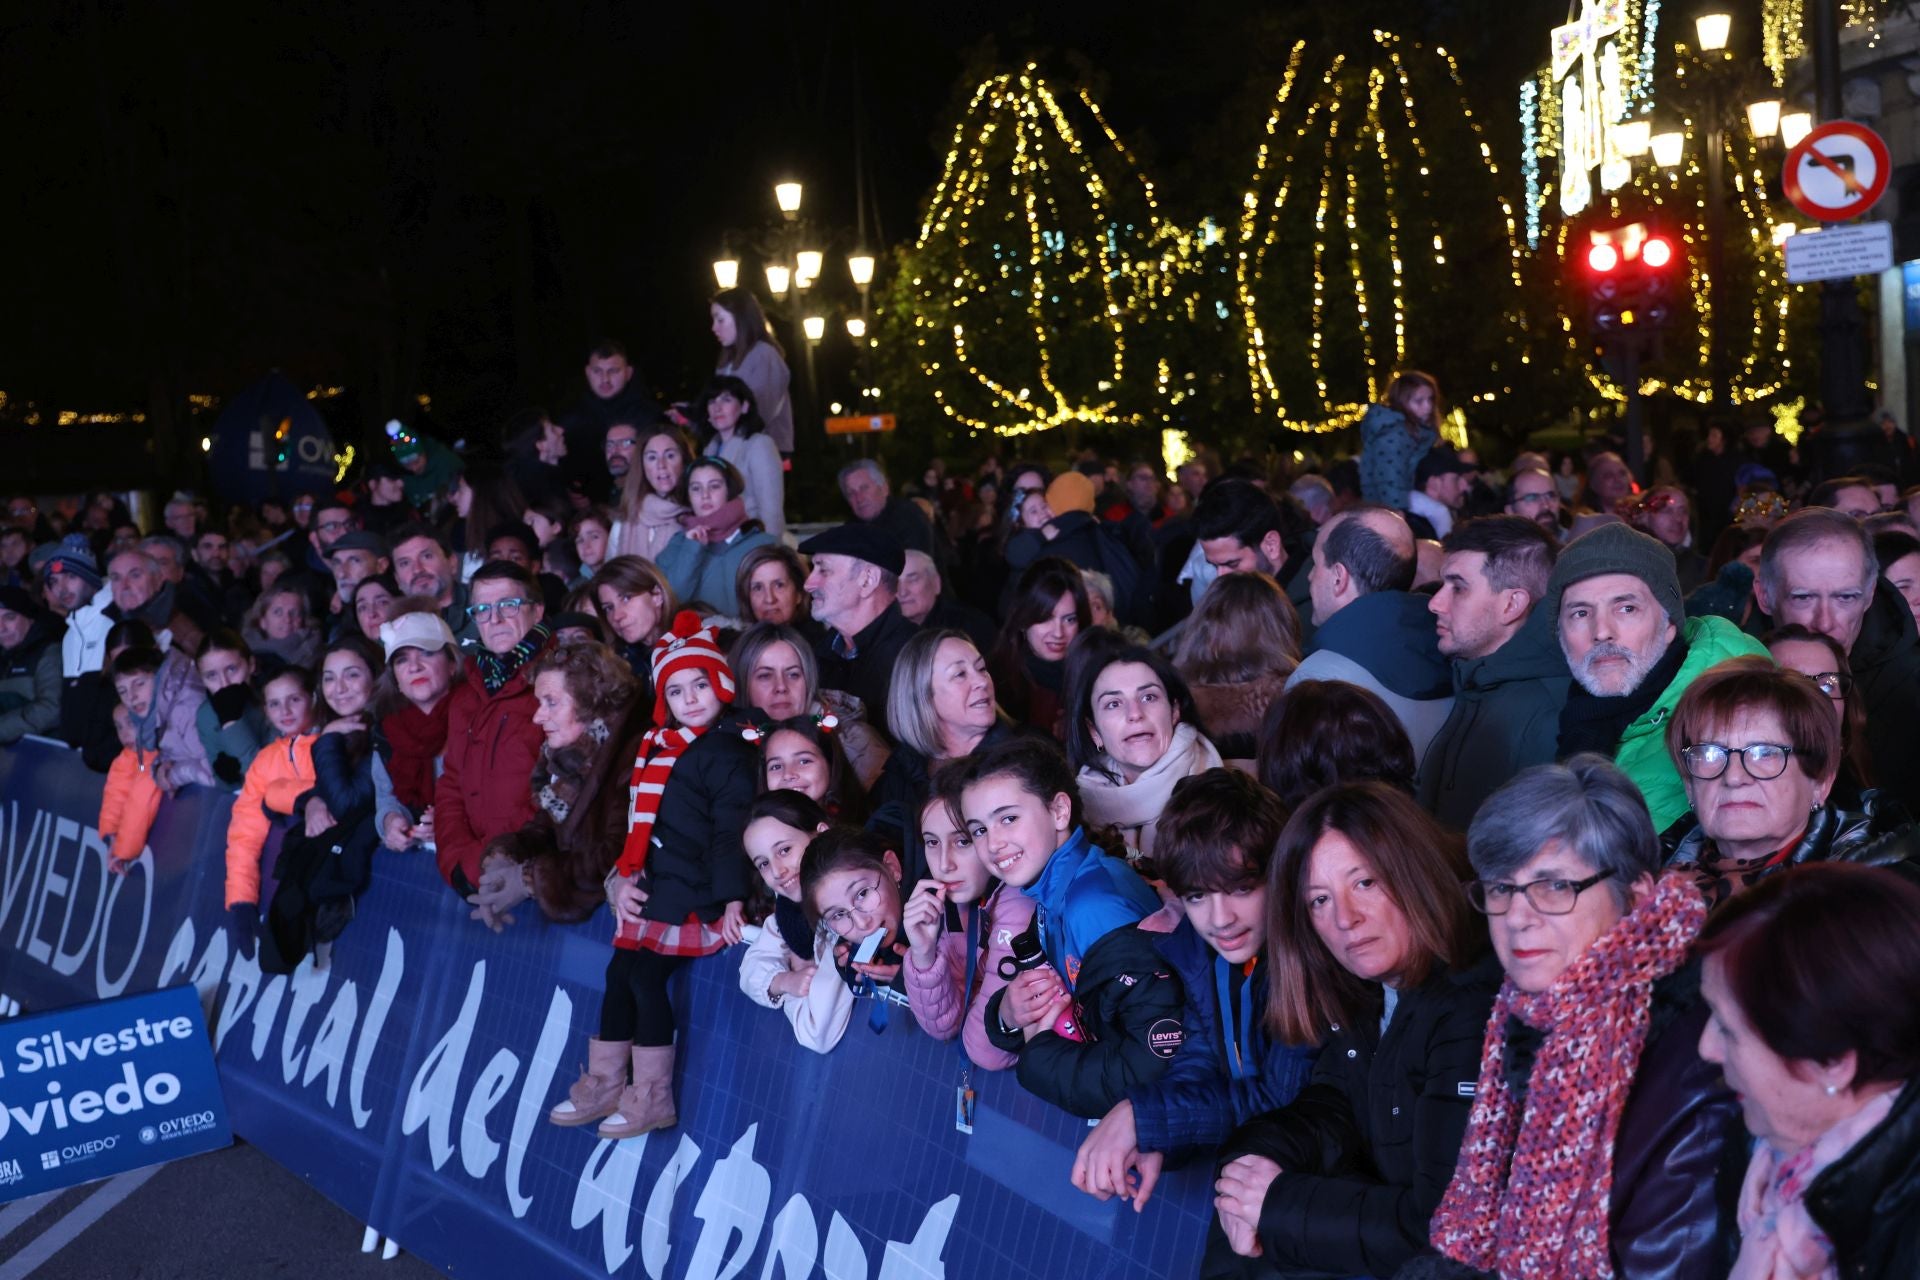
x: 269, y: 442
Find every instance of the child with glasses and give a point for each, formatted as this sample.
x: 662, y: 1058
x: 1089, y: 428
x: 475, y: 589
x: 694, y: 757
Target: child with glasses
x: 680, y: 886
x: 850, y: 886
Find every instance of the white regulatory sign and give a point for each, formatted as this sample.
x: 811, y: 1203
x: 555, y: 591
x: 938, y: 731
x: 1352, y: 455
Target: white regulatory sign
x: 1862, y: 249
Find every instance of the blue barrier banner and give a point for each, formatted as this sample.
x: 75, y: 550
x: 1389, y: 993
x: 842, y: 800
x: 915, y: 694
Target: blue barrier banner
x: 409, y: 1082
x: 96, y: 1089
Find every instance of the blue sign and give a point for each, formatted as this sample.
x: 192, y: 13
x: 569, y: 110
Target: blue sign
x: 97, y: 1089
x: 409, y: 1082
x: 1910, y: 290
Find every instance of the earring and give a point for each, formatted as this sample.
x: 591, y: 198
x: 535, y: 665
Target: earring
x: 1832, y: 1089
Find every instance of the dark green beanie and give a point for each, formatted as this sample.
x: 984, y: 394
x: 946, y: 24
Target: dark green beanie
x: 1619, y: 548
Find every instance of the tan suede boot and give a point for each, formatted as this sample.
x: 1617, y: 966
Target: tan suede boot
x: 596, y: 1094
x: 647, y: 1104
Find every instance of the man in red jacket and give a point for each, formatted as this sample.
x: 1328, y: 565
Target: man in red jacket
x: 492, y: 741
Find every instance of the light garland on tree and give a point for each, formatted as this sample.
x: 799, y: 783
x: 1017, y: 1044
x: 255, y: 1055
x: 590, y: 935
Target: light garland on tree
x: 1783, y: 26
x: 1344, y: 145
x: 1022, y: 211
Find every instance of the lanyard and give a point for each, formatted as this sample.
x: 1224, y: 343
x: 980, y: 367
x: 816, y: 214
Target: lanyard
x: 971, y: 967
x: 1237, y: 1066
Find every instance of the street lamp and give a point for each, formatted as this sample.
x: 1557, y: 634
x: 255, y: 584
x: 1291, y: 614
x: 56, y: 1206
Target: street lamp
x: 815, y: 327
x: 860, y: 267
x: 856, y: 328
x: 1713, y: 30
x: 1794, y: 126
x: 1633, y: 137
x: 1763, y: 117
x: 778, y: 277
x: 726, y: 272
x: 787, y: 196
x: 1668, y: 148
x: 806, y: 266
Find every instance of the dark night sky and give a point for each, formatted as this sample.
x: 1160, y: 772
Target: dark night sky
x: 455, y: 198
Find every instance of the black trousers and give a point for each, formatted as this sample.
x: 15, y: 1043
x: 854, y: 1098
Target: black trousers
x: 635, y: 1006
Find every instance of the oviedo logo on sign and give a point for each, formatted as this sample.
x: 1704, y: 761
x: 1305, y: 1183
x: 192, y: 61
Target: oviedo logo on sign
x: 131, y: 1092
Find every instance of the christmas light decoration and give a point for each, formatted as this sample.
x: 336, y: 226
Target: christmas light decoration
x: 1345, y: 134
x: 1783, y: 26
x: 1041, y: 250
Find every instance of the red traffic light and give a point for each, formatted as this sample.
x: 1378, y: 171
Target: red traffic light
x: 1656, y: 252
x: 1603, y: 258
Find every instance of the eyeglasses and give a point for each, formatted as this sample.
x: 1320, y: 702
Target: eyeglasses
x: 1835, y: 684
x: 1548, y: 897
x: 509, y: 608
x: 1523, y: 499
x: 334, y: 526
x: 1763, y: 761
x: 623, y: 445
x: 866, y: 904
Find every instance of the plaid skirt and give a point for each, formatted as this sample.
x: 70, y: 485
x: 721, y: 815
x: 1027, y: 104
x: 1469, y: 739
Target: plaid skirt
x: 691, y: 937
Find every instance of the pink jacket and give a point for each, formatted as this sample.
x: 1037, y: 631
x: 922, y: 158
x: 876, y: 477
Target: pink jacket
x: 934, y: 994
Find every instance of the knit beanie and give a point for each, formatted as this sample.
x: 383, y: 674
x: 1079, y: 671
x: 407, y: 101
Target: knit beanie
x: 688, y: 644
x: 72, y: 555
x: 1618, y: 548
x: 1070, y: 491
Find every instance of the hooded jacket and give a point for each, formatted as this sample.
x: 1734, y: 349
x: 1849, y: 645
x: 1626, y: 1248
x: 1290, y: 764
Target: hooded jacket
x: 935, y: 993
x: 1642, y: 753
x: 276, y: 780
x: 1505, y: 717
x: 485, y: 785
x: 1385, y: 642
x: 1228, y: 1070
x: 1389, y: 453
x: 1886, y: 674
x: 30, y: 683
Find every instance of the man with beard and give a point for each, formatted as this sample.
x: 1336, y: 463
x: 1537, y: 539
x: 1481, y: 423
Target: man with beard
x: 1533, y: 495
x: 423, y: 566
x: 1616, y: 594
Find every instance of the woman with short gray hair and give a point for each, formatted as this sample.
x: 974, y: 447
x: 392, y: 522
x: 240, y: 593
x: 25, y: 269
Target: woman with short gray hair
x: 1591, y: 1074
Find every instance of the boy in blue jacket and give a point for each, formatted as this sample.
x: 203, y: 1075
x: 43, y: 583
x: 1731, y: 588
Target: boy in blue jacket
x: 1214, y: 841
x: 1094, y: 1009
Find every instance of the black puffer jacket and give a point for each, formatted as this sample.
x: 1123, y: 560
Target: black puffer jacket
x: 1368, y: 1147
x: 1886, y: 671
x: 1129, y: 1005
x: 1868, y: 1201
x: 698, y: 865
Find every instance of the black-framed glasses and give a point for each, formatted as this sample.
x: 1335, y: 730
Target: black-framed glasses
x: 1546, y: 495
x: 1835, y: 684
x: 1548, y: 897
x: 509, y: 608
x: 1763, y: 761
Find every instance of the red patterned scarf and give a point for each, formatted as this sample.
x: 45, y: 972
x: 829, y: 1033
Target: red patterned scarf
x: 1531, y: 1194
x: 660, y: 750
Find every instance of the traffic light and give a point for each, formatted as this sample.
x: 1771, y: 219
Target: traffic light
x: 1630, y: 282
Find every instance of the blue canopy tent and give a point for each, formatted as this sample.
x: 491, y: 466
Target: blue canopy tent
x: 269, y: 442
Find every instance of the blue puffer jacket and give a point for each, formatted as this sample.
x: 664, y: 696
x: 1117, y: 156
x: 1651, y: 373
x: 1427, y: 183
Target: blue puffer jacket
x: 1227, y: 1070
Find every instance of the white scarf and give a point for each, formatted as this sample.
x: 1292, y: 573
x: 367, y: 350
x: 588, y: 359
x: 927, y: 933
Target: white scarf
x: 1134, y: 808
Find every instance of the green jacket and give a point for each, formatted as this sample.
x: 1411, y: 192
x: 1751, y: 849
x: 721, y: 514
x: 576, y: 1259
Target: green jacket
x: 1643, y: 747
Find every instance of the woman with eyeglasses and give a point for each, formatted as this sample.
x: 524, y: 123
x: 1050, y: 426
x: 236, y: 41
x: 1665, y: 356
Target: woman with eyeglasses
x: 1823, y: 660
x: 1757, y: 749
x: 1597, y: 1127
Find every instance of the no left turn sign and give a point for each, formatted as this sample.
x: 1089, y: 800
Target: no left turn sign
x: 1837, y: 171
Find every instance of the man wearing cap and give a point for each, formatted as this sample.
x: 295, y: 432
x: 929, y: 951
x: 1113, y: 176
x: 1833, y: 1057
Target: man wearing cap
x: 1633, y: 652
x: 492, y: 741
x: 1439, y: 489
x: 352, y: 559
x: 1370, y: 628
x: 30, y: 683
x: 854, y: 587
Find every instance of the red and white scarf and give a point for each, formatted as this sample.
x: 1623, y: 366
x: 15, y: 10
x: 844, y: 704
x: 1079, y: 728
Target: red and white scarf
x: 1531, y: 1194
x: 660, y: 750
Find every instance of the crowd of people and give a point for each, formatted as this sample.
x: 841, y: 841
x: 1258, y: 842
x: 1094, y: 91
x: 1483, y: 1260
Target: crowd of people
x: 1476, y: 876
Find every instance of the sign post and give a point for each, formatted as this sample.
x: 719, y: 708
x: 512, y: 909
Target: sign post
x: 1839, y: 253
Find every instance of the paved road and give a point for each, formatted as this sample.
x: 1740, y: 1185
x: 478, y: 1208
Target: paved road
x: 226, y: 1215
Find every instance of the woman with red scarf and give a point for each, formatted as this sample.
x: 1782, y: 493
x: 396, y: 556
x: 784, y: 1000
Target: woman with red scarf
x: 422, y: 661
x: 1596, y: 1127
